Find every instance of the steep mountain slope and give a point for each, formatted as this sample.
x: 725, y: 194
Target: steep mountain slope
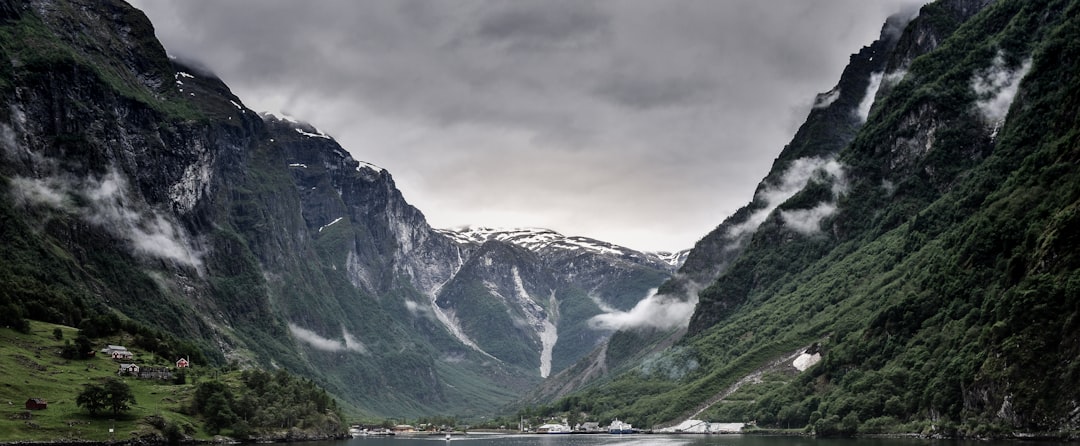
x: 139, y: 189
x: 544, y: 288
x: 139, y: 185
x: 933, y: 267
x: 808, y: 162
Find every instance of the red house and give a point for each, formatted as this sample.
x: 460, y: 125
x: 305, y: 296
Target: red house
x: 182, y: 362
x: 36, y: 404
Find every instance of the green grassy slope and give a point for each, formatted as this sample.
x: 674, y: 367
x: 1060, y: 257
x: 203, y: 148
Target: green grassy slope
x: 252, y: 404
x: 32, y: 368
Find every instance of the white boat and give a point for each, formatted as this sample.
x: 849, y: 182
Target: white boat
x: 618, y: 427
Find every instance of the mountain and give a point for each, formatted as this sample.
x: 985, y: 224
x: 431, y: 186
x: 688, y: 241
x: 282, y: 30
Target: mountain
x: 807, y: 160
x: 138, y: 191
x: 908, y: 265
x: 544, y: 288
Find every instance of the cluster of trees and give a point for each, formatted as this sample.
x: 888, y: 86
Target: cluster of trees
x: 113, y: 396
x: 11, y: 315
x: 81, y: 349
x: 265, y: 401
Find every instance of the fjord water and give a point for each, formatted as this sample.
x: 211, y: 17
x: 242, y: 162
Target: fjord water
x: 480, y: 439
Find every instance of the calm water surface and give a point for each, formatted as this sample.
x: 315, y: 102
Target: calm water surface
x: 483, y: 439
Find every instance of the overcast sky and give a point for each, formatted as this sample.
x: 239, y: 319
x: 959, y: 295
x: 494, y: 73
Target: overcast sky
x: 639, y: 122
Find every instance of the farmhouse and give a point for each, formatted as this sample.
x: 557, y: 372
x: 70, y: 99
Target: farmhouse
x: 182, y: 363
x: 117, y: 352
x: 36, y: 404
x: 128, y: 369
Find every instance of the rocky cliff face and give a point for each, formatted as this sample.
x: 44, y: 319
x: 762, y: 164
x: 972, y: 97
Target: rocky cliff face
x: 137, y: 184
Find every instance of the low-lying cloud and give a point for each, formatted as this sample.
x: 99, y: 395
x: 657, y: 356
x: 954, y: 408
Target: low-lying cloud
x: 347, y: 343
x: 149, y: 233
x: 863, y: 111
x: 34, y: 191
x: 654, y: 311
x: 104, y: 202
x: 794, y: 179
x: 808, y: 221
x: 826, y: 99
x: 417, y: 310
x: 996, y: 88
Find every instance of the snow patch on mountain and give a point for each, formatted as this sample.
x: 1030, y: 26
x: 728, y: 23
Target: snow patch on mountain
x: 538, y: 320
x: 449, y: 320
x: 549, y: 335
x: 313, y: 135
x: 330, y: 224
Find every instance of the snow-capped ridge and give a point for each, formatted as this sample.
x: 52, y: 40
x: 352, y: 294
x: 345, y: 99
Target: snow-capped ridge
x: 301, y: 127
x: 541, y: 240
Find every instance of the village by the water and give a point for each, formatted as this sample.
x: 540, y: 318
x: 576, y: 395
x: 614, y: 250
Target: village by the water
x: 562, y: 427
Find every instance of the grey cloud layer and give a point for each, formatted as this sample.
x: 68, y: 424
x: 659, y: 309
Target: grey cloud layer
x: 664, y: 114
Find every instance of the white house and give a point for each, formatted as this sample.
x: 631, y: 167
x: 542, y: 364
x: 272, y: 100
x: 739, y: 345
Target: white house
x: 128, y: 369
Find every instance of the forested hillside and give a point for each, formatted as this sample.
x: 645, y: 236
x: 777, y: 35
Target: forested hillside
x: 933, y: 266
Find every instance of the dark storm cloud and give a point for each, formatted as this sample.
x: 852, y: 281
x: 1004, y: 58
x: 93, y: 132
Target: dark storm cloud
x: 637, y: 121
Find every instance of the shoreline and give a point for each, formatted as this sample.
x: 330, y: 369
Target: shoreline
x: 221, y: 440
x: 1014, y: 436
x: 158, y: 440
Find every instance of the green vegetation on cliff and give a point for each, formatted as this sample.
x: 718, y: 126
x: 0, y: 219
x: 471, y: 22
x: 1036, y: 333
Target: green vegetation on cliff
x: 943, y: 291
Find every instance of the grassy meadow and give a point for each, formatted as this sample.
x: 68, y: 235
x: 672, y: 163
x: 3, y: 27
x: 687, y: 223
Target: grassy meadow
x: 31, y: 367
